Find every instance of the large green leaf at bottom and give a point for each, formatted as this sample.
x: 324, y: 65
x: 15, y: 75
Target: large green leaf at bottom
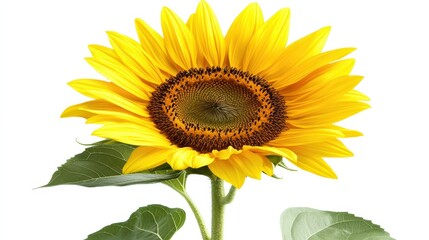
x: 153, y: 222
x: 101, y: 165
x: 313, y: 224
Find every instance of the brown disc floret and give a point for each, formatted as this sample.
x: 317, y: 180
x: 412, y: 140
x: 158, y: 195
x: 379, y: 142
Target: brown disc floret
x: 213, y: 108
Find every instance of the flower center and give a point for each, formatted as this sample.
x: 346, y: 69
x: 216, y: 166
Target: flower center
x: 213, y: 108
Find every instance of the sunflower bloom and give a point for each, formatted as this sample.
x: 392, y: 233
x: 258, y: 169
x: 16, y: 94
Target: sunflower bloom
x: 193, y: 97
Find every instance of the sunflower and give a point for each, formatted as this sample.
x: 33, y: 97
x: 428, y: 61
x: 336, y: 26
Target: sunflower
x: 194, y: 97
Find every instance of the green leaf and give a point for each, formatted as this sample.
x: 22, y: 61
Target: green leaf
x: 101, y: 165
x: 153, y: 222
x: 178, y: 184
x: 313, y: 224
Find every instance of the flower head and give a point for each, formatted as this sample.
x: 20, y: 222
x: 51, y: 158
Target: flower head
x: 194, y: 97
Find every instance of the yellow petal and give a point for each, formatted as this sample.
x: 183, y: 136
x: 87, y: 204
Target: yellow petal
x: 121, y: 76
x: 287, y: 77
x: 109, y: 92
x: 191, y: 21
x: 178, y: 39
x: 135, y: 58
x: 299, y: 51
x: 267, y: 150
x: 228, y: 171
x: 316, y: 80
x: 355, y: 95
x: 132, y: 106
x: 85, y: 86
x: 117, y: 117
x: 77, y: 111
x: 192, y: 25
x: 315, y: 165
x: 179, y: 159
x: 330, y: 148
x: 183, y: 158
x: 330, y: 113
x: 347, y: 132
x: 267, y: 43
x: 153, y: 44
x: 109, y: 55
x: 267, y: 167
x: 98, y: 51
x: 295, y: 137
x: 144, y: 158
x: 241, y: 31
x: 225, y: 153
x: 97, y: 110
x: 133, y: 134
x: 201, y: 160
x: 251, y: 164
x: 333, y: 70
x: 325, y: 94
x: 208, y: 35
x: 306, y: 47
x: 105, y: 108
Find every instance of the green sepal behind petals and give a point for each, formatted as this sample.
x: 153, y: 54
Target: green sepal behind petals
x: 278, y: 162
x: 275, y: 159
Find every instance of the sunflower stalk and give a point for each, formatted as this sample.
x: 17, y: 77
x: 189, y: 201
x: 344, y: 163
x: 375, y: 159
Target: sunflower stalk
x: 219, y: 200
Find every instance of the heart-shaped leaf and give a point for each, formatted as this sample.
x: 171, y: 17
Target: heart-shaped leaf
x: 312, y: 224
x: 101, y: 165
x: 153, y: 222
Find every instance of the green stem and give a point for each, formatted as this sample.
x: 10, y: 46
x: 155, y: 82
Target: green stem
x: 230, y: 196
x: 197, y: 214
x: 217, y: 208
x: 219, y: 200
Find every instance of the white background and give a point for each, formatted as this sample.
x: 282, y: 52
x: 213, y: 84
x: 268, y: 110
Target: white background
x: 43, y: 44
